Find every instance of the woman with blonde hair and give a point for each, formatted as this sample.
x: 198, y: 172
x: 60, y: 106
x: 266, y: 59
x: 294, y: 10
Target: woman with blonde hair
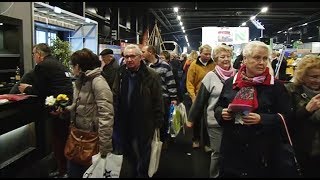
x: 192, y: 56
x: 206, y: 99
x: 186, y: 98
x: 305, y: 127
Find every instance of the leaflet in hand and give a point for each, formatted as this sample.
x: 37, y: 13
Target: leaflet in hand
x: 240, y: 108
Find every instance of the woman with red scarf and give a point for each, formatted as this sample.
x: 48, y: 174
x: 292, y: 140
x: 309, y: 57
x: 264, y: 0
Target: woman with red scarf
x: 247, y: 110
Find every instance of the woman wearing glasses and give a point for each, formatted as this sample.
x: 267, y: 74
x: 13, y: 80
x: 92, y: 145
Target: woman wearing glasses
x: 247, y: 110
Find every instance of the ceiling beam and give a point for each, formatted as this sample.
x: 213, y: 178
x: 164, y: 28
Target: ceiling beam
x: 160, y: 20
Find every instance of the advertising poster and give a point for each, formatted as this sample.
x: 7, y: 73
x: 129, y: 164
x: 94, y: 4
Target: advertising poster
x: 229, y: 35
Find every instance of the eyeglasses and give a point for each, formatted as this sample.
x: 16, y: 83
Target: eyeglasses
x: 130, y: 56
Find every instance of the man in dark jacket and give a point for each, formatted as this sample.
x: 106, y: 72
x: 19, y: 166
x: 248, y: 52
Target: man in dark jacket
x: 111, y: 66
x: 50, y: 78
x: 137, y: 99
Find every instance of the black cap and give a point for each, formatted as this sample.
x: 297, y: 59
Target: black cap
x: 106, y: 52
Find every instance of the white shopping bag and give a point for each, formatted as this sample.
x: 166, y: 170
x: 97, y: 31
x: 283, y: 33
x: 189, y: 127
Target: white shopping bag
x: 155, y: 154
x: 97, y: 169
x: 108, y: 167
x: 113, y: 165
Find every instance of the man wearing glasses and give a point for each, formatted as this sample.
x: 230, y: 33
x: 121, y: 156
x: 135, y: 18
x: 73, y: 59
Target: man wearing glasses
x: 138, y: 111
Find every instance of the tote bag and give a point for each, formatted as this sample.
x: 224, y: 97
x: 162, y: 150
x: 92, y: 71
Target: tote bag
x: 155, y: 154
x: 108, y: 167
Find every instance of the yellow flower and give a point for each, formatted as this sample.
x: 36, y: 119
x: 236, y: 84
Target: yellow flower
x: 62, y: 97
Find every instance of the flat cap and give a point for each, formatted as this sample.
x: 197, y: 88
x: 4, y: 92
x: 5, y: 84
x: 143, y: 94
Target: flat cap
x: 106, y: 52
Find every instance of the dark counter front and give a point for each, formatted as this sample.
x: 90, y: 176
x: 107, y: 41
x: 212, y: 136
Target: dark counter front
x: 5, y: 89
x: 22, y: 135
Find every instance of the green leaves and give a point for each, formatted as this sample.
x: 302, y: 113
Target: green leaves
x: 62, y: 51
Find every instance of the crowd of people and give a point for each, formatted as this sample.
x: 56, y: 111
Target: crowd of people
x: 234, y: 108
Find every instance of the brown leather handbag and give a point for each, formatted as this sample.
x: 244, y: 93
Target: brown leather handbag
x: 81, y: 146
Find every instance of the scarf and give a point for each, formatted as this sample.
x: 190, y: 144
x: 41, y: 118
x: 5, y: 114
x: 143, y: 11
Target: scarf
x: 247, y: 93
x: 225, y: 74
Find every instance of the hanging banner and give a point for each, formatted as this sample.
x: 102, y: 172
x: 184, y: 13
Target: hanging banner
x: 229, y: 35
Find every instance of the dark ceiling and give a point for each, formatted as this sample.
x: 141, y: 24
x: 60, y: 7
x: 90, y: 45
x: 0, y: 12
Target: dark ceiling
x: 194, y: 15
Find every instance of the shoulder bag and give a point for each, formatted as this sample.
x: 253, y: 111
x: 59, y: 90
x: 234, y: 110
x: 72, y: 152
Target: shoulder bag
x: 81, y: 145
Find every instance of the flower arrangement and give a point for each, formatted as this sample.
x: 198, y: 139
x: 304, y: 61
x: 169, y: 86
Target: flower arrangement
x: 53, y: 104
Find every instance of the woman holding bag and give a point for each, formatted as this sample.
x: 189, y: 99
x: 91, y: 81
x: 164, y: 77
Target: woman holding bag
x: 92, y: 108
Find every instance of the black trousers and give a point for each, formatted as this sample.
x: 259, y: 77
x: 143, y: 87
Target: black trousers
x: 164, y: 135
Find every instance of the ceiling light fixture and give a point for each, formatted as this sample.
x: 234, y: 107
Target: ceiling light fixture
x: 264, y: 9
x: 57, y: 10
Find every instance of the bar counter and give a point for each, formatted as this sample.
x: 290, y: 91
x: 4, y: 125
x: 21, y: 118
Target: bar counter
x: 22, y: 135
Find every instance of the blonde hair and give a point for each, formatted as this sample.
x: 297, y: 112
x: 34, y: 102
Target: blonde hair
x: 193, y: 55
x: 306, y: 63
x: 221, y: 48
x: 206, y: 46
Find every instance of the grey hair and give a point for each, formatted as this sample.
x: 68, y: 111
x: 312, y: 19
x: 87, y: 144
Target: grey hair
x: 248, y: 49
x: 134, y: 47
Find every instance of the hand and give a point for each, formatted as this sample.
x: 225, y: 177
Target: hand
x: 226, y: 114
x: 23, y: 86
x: 174, y: 102
x: 58, y: 111
x: 313, y: 104
x: 189, y: 123
x: 103, y: 155
x: 251, y: 118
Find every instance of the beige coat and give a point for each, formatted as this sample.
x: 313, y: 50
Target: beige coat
x: 94, y: 110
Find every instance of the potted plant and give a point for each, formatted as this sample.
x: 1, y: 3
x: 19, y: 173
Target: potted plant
x: 62, y: 51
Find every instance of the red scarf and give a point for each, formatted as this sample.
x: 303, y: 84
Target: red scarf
x: 247, y: 93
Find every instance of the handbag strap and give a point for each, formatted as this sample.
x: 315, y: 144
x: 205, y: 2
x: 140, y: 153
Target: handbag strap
x: 294, y: 157
x: 286, y: 128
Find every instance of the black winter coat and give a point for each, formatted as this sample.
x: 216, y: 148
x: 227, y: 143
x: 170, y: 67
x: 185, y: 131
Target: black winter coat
x: 249, y: 151
x: 145, y: 112
x: 50, y: 78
